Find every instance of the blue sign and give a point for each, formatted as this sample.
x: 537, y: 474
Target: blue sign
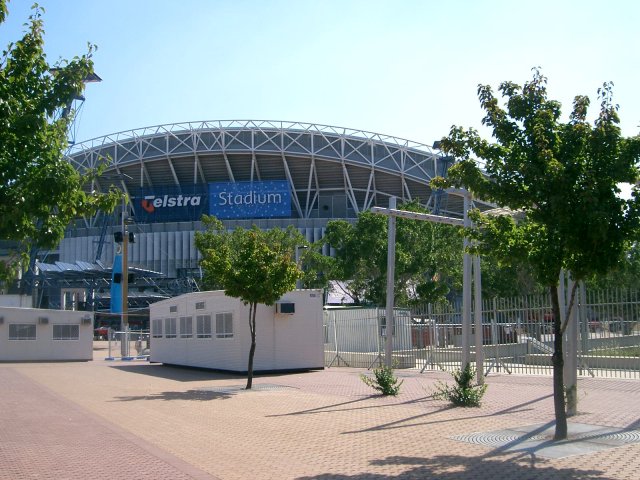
x: 171, y: 204
x: 116, y: 287
x: 267, y: 199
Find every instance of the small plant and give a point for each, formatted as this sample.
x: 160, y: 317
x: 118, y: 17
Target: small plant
x: 384, y: 381
x: 463, y: 393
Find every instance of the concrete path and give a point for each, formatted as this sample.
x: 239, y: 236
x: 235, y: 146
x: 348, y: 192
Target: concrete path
x: 121, y: 420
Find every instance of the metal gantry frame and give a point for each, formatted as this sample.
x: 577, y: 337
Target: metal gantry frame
x: 470, y: 264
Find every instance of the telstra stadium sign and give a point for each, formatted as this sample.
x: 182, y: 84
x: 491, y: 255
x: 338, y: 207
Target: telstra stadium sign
x: 267, y: 199
x: 171, y: 204
x: 225, y: 200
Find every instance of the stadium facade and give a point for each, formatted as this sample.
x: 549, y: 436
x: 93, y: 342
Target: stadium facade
x: 268, y: 173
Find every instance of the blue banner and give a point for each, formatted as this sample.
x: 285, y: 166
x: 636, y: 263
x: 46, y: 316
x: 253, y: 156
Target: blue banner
x: 116, y: 288
x: 171, y: 203
x: 268, y: 199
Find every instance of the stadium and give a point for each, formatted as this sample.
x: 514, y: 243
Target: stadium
x: 268, y: 173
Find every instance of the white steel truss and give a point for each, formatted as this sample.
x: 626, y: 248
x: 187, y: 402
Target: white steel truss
x: 317, y: 160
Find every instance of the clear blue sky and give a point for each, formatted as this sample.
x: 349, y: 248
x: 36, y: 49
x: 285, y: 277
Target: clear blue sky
x: 404, y: 68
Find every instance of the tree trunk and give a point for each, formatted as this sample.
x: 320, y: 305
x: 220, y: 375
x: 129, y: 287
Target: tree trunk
x: 252, y: 351
x: 557, y: 360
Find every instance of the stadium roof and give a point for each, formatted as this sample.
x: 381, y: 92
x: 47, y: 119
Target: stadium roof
x: 316, y: 160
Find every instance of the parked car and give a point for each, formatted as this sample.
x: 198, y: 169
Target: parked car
x: 595, y: 326
x: 101, y: 333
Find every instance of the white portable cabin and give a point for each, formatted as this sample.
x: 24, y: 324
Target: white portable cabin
x: 211, y: 330
x: 31, y: 334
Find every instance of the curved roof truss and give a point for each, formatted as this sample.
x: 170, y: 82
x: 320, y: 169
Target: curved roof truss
x: 317, y: 160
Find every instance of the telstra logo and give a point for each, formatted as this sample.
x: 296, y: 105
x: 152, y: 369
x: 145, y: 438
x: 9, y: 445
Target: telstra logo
x: 151, y: 202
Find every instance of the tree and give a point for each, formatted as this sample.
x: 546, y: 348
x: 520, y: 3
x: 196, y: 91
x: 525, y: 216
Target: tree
x: 428, y: 258
x: 562, y: 179
x: 253, y: 265
x: 501, y: 279
x: 625, y: 275
x: 40, y: 192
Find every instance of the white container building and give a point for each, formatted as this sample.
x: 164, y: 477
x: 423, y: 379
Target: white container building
x: 211, y: 330
x: 31, y: 334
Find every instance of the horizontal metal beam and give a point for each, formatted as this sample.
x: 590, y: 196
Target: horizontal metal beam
x: 425, y: 217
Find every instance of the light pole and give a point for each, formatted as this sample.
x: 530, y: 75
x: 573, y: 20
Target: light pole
x: 127, y: 237
x: 298, y: 248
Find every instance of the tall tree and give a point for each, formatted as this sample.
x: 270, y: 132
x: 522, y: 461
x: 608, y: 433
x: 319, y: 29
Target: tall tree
x: 428, y: 258
x: 502, y: 279
x: 40, y: 192
x: 562, y: 178
x: 254, y: 265
x: 625, y: 275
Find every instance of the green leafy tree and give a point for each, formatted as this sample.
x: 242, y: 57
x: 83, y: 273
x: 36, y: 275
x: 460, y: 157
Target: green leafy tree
x: 254, y: 265
x: 625, y: 275
x: 562, y: 178
x: 501, y: 279
x: 40, y: 192
x: 428, y: 258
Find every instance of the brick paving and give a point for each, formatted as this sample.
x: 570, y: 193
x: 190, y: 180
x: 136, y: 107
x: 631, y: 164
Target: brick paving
x: 108, y: 420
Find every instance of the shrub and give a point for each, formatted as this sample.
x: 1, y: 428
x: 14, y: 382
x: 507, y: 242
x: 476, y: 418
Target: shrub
x: 384, y: 381
x: 463, y: 393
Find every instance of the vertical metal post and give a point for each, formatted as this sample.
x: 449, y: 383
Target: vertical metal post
x: 466, y: 287
x: 584, y: 323
x: 125, y: 292
x: 494, y: 334
x: 110, y: 339
x: 297, y: 260
x: 124, y: 342
x: 391, y: 262
x: 477, y: 296
x: 434, y: 335
x: 125, y: 279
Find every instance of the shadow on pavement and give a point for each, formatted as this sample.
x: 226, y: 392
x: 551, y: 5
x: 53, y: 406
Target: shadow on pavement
x: 197, y: 395
x: 403, y: 423
x: 179, y: 374
x: 457, y: 467
x: 352, y: 405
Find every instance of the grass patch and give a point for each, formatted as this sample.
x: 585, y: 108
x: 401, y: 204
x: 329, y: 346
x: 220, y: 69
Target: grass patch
x: 617, y: 352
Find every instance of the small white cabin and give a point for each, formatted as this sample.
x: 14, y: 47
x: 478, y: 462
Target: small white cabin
x: 211, y: 330
x: 33, y: 334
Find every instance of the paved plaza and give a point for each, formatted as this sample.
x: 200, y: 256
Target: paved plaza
x: 135, y: 420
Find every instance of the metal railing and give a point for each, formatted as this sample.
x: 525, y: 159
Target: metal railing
x: 129, y: 345
x: 517, y: 335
